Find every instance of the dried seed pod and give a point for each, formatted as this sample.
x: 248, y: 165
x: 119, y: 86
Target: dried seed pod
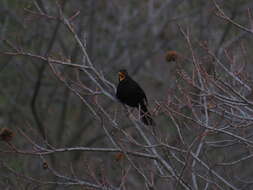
x: 119, y: 156
x: 171, y: 56
x: 6, y: 134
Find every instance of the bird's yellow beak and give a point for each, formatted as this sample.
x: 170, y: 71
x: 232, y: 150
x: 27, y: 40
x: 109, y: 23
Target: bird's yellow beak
x: 122, y: 76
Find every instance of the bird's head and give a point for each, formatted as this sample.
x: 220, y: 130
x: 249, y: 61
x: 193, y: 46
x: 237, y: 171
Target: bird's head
x: 122, y: 74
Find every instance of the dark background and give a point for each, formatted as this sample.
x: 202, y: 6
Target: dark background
x: 42, y: 101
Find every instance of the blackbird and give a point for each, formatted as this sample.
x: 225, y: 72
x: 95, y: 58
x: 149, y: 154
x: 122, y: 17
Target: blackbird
x: 130, y: 93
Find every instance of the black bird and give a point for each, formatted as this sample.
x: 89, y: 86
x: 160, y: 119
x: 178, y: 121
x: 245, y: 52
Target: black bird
x: 130, y: 93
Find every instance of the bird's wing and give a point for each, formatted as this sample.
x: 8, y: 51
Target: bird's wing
x: 141, y: 91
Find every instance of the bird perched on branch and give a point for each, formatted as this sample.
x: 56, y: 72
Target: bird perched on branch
x: 130, y: 93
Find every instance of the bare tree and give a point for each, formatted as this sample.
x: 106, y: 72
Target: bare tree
x: 63, y: 128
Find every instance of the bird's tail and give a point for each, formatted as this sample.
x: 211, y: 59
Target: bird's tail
x: 146, y: 116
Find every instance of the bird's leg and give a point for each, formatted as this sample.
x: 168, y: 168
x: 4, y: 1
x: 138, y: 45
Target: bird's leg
x: 139, y: 112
